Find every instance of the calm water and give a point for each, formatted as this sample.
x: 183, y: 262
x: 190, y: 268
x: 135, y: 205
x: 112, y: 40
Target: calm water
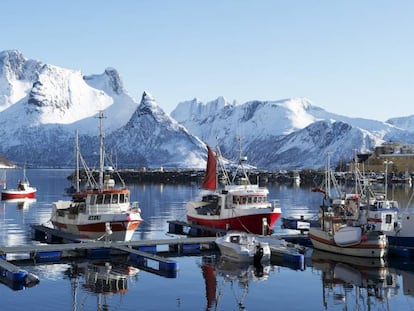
x: 202, y: 283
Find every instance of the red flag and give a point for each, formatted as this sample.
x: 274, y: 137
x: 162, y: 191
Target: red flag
x: 210, y: 180
x: 318, y: 190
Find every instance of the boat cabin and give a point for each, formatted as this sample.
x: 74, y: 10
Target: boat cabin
x: 107, y: 198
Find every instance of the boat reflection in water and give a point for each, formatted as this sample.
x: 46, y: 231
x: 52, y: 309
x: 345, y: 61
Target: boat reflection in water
x: 237, y: 274
x: 101, y: 278
x: 357, y: 283
x: 21, y: 203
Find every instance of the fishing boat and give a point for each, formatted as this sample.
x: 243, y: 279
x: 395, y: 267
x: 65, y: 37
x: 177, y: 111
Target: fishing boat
x: 351, y: 241
x: 378, y: 212
x: 243, y: 247
x: 101, y: 212
x: 340, y: 230
x: 242, y: 207
x: 23, y: 190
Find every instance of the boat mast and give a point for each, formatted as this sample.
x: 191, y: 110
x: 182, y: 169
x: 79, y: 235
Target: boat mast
x: 101, y: 150
x: 77, y: 161
x: 241, y: 160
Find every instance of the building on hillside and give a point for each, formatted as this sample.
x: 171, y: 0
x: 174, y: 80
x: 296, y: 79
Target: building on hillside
x: 399, y: 159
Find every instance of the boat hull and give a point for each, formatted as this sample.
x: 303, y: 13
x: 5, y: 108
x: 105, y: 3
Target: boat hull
x: 103, y: 223
x: 121, y: 231
x: 248, y: 223
x: 374, y: 245
x: 10, y: 194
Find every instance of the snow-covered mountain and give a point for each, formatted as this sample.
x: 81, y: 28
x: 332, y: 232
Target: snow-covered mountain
x: 290, y: 133
x: 41, y: 105
x: 151, y: 138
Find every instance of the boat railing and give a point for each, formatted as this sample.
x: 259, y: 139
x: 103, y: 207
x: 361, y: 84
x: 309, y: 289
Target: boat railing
x: 135, y: 205
x: 105, y: 208
x: 274, y: 203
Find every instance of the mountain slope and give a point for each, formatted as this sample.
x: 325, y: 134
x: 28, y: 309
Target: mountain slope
x: 151, y: 138
x: 41, y: 106
x: 275, y: 133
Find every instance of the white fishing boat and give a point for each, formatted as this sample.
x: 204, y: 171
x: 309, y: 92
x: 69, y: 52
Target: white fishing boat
x: 381, y: 213
x: 242, y: 207
x: 340, y: 230
x: 102, y: 212
x: 243, y: 247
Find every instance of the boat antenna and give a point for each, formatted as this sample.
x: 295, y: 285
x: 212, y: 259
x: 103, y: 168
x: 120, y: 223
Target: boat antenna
x: 101, y: 149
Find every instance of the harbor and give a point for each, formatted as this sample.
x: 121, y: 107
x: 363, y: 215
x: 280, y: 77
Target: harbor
x: 117, y: 279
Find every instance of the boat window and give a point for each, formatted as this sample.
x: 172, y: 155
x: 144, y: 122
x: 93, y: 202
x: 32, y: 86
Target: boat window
x: 244, y: 199
x: 114, y: 198
x: 255, y: 199
x: 107, y: 199
x: 121, y: 198
x: 99, y: 199
x: 93, y: 199
x: 249, y: 199
x: 235, y: 239
x: 388, y: 218
x: 126, y: 197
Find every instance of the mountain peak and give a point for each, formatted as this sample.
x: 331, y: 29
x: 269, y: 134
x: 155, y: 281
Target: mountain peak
x: 149, y: 107
x: 115, y: 80
x: 110, y: 81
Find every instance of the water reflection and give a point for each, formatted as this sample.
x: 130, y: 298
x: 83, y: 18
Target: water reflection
x: 95, y: 281
x: 354, y: 283
x: 21, y: 204
x: 219, y: 273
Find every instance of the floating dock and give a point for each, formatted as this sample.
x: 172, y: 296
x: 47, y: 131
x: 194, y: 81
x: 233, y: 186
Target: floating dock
x: 63, y: 245
x: 177, y: 227
x: 146, y: 254
x: 14, y: 277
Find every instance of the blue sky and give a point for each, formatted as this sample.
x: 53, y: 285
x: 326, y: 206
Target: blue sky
x: 353, y: 58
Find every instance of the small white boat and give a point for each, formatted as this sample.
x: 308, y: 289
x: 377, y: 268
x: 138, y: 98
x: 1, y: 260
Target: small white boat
x: 243, y: 247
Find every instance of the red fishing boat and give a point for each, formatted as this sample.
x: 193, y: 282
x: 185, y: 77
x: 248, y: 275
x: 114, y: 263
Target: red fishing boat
x: 23, y: 190
x: 242, y: 206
